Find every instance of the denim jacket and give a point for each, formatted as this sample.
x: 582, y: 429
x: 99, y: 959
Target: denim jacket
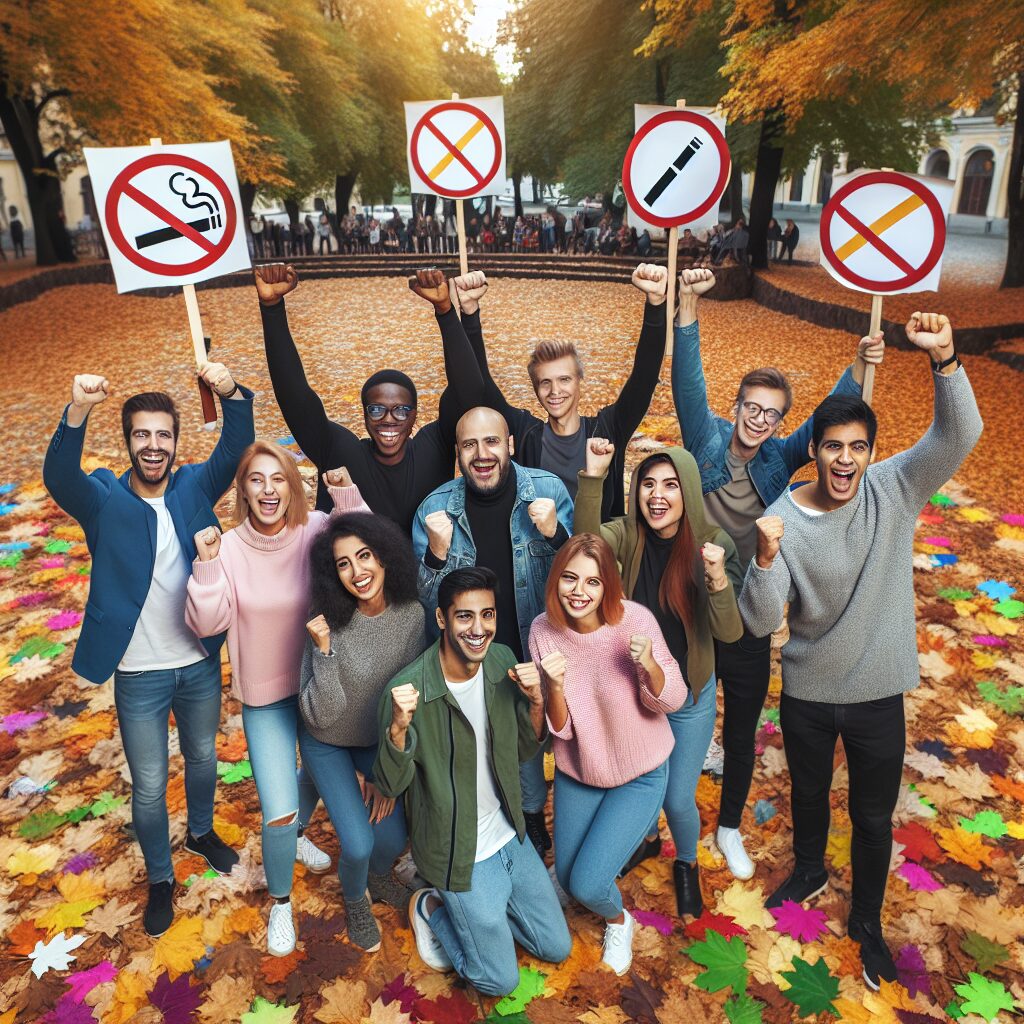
x: 532, y: 552
x: 707, y: 436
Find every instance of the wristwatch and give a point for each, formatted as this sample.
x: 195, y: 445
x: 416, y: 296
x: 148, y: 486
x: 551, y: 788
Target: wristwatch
x: 954, y: 358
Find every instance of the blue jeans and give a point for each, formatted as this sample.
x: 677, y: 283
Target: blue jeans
x: 531, y: 779
x: 364, y: 847
x: 144, y: 701
x: 693, y: 725
x: 511, y: 900
x: 271, y: 732
x: 597, y: 829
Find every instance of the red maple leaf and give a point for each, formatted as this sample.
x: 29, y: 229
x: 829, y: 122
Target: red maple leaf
x: 721, y: 923
x: 453, y: 1009
x: 918, y: 843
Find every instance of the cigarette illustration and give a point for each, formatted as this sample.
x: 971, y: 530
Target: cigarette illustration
x: 187, y: 188
x: 673, y: 171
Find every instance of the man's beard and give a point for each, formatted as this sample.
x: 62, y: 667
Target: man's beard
x: 140, y: 470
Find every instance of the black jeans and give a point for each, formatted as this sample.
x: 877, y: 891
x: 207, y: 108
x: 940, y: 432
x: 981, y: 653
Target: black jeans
x: 744, y: 668
x: 874, y: 737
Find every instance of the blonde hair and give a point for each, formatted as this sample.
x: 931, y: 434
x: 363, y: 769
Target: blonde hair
x: 548, y: 352
x: 297, y: 513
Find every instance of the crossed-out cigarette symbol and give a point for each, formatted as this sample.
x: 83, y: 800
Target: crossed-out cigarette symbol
x: 674, y: 170
x: 194, y: 199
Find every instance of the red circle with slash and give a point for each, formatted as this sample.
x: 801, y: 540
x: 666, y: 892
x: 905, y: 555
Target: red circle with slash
x: 122, y: 186
x: 426, y: 122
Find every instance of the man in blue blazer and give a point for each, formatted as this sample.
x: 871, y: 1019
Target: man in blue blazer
x: 139, y: 528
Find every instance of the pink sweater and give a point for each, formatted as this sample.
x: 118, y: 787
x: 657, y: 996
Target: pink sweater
x: 257, y: 589
x: 616, y: 729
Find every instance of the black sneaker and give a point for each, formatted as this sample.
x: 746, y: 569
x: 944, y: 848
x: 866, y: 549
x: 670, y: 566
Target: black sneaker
x: 537, y: 832
x: 159, y: 910
x: 213, y: 850
x: 799, y: 887
x: 874, y: 953
x: 647, y: 849
x: 686, y: 878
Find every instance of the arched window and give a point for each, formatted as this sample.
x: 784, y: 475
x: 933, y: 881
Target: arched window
x: 796, y: 189
x: 977, y: 183
x: 937, y: 165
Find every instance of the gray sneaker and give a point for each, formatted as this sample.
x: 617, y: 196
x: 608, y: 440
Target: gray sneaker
x: 362, y: 925
x: 388, y: 889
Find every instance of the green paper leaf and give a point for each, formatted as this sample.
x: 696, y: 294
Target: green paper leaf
x: 11, y: 560
x: 264, y: 1012
x: 1010, y: 608
x: 812, y: 988
x: 77, y: 814
x: 985, y: 823
x: 953, y: 1010
x: 39, y: 826
x: 105, y: 802
x: 234, y: 772
x: 496, y: 1017
x: 983, y: 996
x: 742, y: 1009
x: 985, y: 953
x: 531, y: 985
x: 1010, y: 700
x: 724, y: 960
x: 40, y: 645
x: 956, y: 594
x: 58, y: 547
x: 941, y: 500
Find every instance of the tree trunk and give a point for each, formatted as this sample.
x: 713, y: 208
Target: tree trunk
x: 343, y: 185
x: 661, y: 81
x: 247, y: 193
x: 735, y: 192
x: 1013, y: 275
x: 517, y: 191
x: 291, y: 207
x: 762, y: 195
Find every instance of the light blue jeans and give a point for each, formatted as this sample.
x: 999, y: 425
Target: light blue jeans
x: 144, y: 701
x: 531, y: 779
x: 364, y: 847
x: 511, y: 900
x: 693, y: 725
x: 271, y: 733
x: 597, y: 829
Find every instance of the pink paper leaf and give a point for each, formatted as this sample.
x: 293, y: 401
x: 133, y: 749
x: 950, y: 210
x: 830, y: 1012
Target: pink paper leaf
x: 801, y: 923
x: 652, y: 920
x: 918, y: 878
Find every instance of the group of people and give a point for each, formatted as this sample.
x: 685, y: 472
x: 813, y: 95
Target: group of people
x: 421, y: 639
x: 17, y: 230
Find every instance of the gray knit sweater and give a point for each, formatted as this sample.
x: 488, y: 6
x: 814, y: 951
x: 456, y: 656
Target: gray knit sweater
x: 339, y: 692
x: 848, y: 574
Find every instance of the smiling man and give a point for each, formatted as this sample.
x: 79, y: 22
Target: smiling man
x: 393, y: 467
x: 510, y: 519
x: 840, y: 551
x: 454, y: 727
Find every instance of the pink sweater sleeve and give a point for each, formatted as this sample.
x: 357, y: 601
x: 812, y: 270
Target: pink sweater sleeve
x: 537, y: 630
x: 673, y: 693
x: 347, y: 499
x: 208, y: 607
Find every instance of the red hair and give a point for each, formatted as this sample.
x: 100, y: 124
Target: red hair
x: 597, y: 548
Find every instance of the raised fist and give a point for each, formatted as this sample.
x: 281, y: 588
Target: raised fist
x: 274, y: 281
x: 218, y: 376
x: 89, y: 389
x: 696, y: 281
x: 600, y: 452
x: 931, y: 332
x: 469, y: 290
x: 321, y: 633
x: 338, y: 477
x: 527, y: 677
x: 542, y: 514
x: 431, y: 285
x: 640, y: 651
x: 403, y: 703
x: 553, y: 665
x: 713, y: 557
x: 207, y: 543
x: 769, y: 537
x: 439, y: 534
x: 652, y: 280
x: 871, y: 349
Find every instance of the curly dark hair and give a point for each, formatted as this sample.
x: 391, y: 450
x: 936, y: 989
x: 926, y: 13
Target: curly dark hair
x: 387, y: 541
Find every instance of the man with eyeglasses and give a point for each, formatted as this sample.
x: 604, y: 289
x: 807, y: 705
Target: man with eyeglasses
x: 744, y: 467
x: 393, y: 469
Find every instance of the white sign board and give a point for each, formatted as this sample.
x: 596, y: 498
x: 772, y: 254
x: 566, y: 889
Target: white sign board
x: 171, y: 215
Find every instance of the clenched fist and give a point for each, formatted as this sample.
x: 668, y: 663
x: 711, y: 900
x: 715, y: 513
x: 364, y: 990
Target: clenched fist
x: 931, y: 332
x: 871, y: 349
x: 320, y: 633
x: 600, y: 452
x: 769, y: 537
x: 696, y: 281
x: 527, y: 677
x: 207, y: 543
x: 542, y: 514
x: 439, y: 534
x: 431, y: 285
x: 713, y: 557
x: 218, y: 376
x: 469, y: 290
x: 403, y: 703
x: 89, y: 389
x: 553, y: 665
x: 274, y: 281
x: 339, y: 477
x: 652, y: 280
x: 640, y: 651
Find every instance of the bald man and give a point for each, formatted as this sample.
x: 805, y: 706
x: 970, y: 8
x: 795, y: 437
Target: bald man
x: 512, y: 520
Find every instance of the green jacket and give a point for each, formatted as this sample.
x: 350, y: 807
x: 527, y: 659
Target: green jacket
x: 716, y: 616
x: 437, y: 769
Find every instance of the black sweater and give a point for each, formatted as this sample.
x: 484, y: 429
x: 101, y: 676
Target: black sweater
x: 395, y: 491
x: 617, y: 422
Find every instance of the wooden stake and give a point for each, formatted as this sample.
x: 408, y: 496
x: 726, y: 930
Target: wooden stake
x: 195, y: 325
x: 670, y: 297
x: 460, y: 227
x: 868, y: 388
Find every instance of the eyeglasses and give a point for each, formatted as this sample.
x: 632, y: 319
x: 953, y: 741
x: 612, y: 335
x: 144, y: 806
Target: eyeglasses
x: 398, y: 412
x: 753, y: 410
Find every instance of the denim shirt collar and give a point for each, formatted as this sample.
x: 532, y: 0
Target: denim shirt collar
x: 525, y: 492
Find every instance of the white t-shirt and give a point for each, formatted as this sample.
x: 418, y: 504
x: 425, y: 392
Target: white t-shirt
x: 162, y: 639
x: 812, y: 512
x: 493, y: 830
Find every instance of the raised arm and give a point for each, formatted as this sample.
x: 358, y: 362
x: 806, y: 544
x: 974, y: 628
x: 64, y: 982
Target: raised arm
x: 322, y: 698
x: 209, y: 608
x: 768, y: 584
x: 689, y: 389
x: 395, y: 766
x: 722, y: 578
x: 590, y: 494
x: 217, y: 472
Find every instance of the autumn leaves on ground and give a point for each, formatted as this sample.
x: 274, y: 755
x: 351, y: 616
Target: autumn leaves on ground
x: 72, y: 882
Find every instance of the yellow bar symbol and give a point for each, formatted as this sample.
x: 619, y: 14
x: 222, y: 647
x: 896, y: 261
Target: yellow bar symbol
x: 460, y: 145
x: 897, y: 213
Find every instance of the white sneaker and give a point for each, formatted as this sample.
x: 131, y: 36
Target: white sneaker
x: 281, y: 930
x: 617, y: 951
x: 309, y: 854
x: 730, y: 844
x: 428, y: 945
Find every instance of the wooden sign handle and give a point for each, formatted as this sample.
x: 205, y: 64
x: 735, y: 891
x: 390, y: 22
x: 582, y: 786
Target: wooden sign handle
x: 875, y: 325
x: 670, y: 295
x: 460, y: 227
